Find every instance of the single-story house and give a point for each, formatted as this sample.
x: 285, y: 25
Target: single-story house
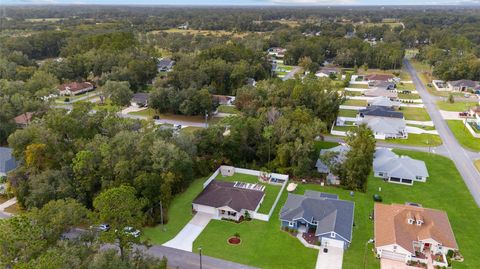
x: 165, y: 64
x: 410, y: 233
x: 23, y: 120
x: 387, y: 85
x: 379, y: 111
x: 230, y: 200
x: 379, y: 77
x: 139, y: 99
x: 223, y: 99
x: 326, y: 72
x: 75, y: 88
x: 398, y: 169
x: 277, y: 52
x: 382, y: 101
x: 463, y: 85
x: 386, y: 127
x: 7, y: 161
x: 331, y: 219
x: 377, y: 92
x: 339, y: 157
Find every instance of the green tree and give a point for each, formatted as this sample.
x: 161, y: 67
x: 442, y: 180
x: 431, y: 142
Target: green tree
x: 118, y: 91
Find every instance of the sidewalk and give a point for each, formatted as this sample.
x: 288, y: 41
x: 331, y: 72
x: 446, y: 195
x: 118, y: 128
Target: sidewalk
x: 7, y: 204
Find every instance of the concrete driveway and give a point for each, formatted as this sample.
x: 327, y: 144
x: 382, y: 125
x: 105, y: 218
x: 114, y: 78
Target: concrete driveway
x: 184, y: 239
x: 391, y: 264
x: 333, y: 259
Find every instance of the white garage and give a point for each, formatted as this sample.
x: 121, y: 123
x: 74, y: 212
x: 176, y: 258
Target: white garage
x: 329, y: 242
x: 205, y: 209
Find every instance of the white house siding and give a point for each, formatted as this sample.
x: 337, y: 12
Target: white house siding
x: 206, y: 209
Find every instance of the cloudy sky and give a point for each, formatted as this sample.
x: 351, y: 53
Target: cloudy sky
x: 246, y: 2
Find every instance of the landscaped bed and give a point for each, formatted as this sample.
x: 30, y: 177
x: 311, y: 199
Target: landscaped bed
x: 463, y: 136
x: 271, y: 191
x: 265, y: 245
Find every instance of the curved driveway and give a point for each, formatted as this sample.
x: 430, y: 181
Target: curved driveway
x: 460, y: 156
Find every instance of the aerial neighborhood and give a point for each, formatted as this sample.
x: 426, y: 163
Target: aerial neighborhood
x: 236, y: 136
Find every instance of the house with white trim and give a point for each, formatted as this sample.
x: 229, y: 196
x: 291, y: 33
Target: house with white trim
x: 398, y: 169
x: 329, y: 218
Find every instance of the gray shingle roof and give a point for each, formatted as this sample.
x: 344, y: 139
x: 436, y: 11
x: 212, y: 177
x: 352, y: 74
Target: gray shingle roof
x: 398, y: 166
x: 140, y: 97
x: 385, y: 125
x: 342, y: 152
x: 463, y: 83
x: 331, y: 214
x: 7, y: 161
x: 380, y: 111
x: 383, y: 101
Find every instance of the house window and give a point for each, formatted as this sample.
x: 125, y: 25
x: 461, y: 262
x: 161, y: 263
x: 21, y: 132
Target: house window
x: 291, y: 224
x: 380, y: 174
x: 394, y: 248
x: 418, y: 177
x: 332, y: 235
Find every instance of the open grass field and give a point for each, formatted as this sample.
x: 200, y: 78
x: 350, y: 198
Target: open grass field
x: 179, y: 214
x: 406, y: 86
x: 463, y: 136
x: 354, y: 102
x: 271, y: 191
x: 347, y: 113
x: 421, y: 140
x: 415, y: 113
x: 264, y: 245
x: 457, y: 106
x: 228, y: 109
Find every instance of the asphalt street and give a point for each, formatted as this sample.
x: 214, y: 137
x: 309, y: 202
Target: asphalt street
x: 460, y: 156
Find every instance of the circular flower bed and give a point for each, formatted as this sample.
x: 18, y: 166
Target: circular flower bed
x: 234, y: 240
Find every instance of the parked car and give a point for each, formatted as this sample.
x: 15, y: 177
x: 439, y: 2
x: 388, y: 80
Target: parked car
x: 463, y: 114
x: 132, y: 231
x: 102, y: 227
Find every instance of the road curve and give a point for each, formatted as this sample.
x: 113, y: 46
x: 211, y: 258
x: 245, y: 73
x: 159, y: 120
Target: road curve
x: 460, y: 156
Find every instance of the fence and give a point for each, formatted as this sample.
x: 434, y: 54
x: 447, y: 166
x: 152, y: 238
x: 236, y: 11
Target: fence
x: 212, y: 177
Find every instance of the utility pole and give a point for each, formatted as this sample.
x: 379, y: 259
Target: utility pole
x: 200, y: 252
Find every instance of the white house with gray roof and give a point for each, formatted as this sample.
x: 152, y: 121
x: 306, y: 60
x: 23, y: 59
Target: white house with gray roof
x: 331, y: 219
x: 398, y: 169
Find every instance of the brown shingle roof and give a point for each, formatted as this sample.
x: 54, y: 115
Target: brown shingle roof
x: 380, y: 77
x: 220, y: 193
x: 24, y: 118
x: 391, y: 226
x: 75, y: 86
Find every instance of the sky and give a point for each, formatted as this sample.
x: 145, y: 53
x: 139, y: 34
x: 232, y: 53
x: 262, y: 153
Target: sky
x: 244, y: 2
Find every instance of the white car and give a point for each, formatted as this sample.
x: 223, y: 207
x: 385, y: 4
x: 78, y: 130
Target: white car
x: 132, y: 231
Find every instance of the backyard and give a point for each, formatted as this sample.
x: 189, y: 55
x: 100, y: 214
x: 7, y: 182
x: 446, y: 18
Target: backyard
x: 415, y: 113
x: 271, y: 191
x: 463, y: 136
x: 277, y: 249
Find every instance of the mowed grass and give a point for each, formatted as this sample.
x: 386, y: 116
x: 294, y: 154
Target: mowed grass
x: 265, y: 245
x: 406, y: 86
x: 463, y: 136
x: 415, y: 113
x: 477, y: 164
x: 351, y: 113
x: 457, y: 106
x: 421, y: 140
x: 228, y: 109
x: 409, y: 96
x: 179, y: 214
x: 354, y: 102
x: 271, y: 191
x: 358, y: 86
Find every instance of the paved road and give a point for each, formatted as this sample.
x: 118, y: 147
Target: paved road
x: 291, y: 74
x: 460, y: 156
x: 165, y: 121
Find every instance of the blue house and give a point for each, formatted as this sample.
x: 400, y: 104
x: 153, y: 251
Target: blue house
x: 329, y: 218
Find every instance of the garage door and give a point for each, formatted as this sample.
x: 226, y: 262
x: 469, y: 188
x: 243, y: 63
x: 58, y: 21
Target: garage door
x: 205, y: 209
x: 393, y: 256
x: 332, y: 242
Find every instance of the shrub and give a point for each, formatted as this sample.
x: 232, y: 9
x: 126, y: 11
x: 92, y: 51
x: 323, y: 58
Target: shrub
x: 66, y: 100
x: 377, y: 198
x: 237, y: 235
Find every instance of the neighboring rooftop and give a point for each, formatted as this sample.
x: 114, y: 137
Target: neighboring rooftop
x: 382, y: 101
x: 75, y: 86
x: 392, y: 227
x: 140, y: 97
x: 219, y: 193
x: 398, y: 166
x: 330, y: 213
x: 385, y: 125
x: 463, y: 83
x: 23, y: 119
x: 375, y: 92
x: 7, y: 161
x: 380, y: 111
x: 382, y: 77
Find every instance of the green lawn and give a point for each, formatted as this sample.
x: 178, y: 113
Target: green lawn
x: 358, y: 86
x: 343, y: 128
x: 422, y: 140
x: 347, y: 113
x: 148, y: 112
x: 352, y: 93
x: 353, y: 102
x: 463, y: 136
x: 406, y: 86
x: 271, y: 191
x: 228, y: 109
x: 424, y: 127
x: 415, y: 113
x: 457, y: 106
x: 264, y: 245
x: 408, y: 96
x: 324, y: 145
x: 179, y: 214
